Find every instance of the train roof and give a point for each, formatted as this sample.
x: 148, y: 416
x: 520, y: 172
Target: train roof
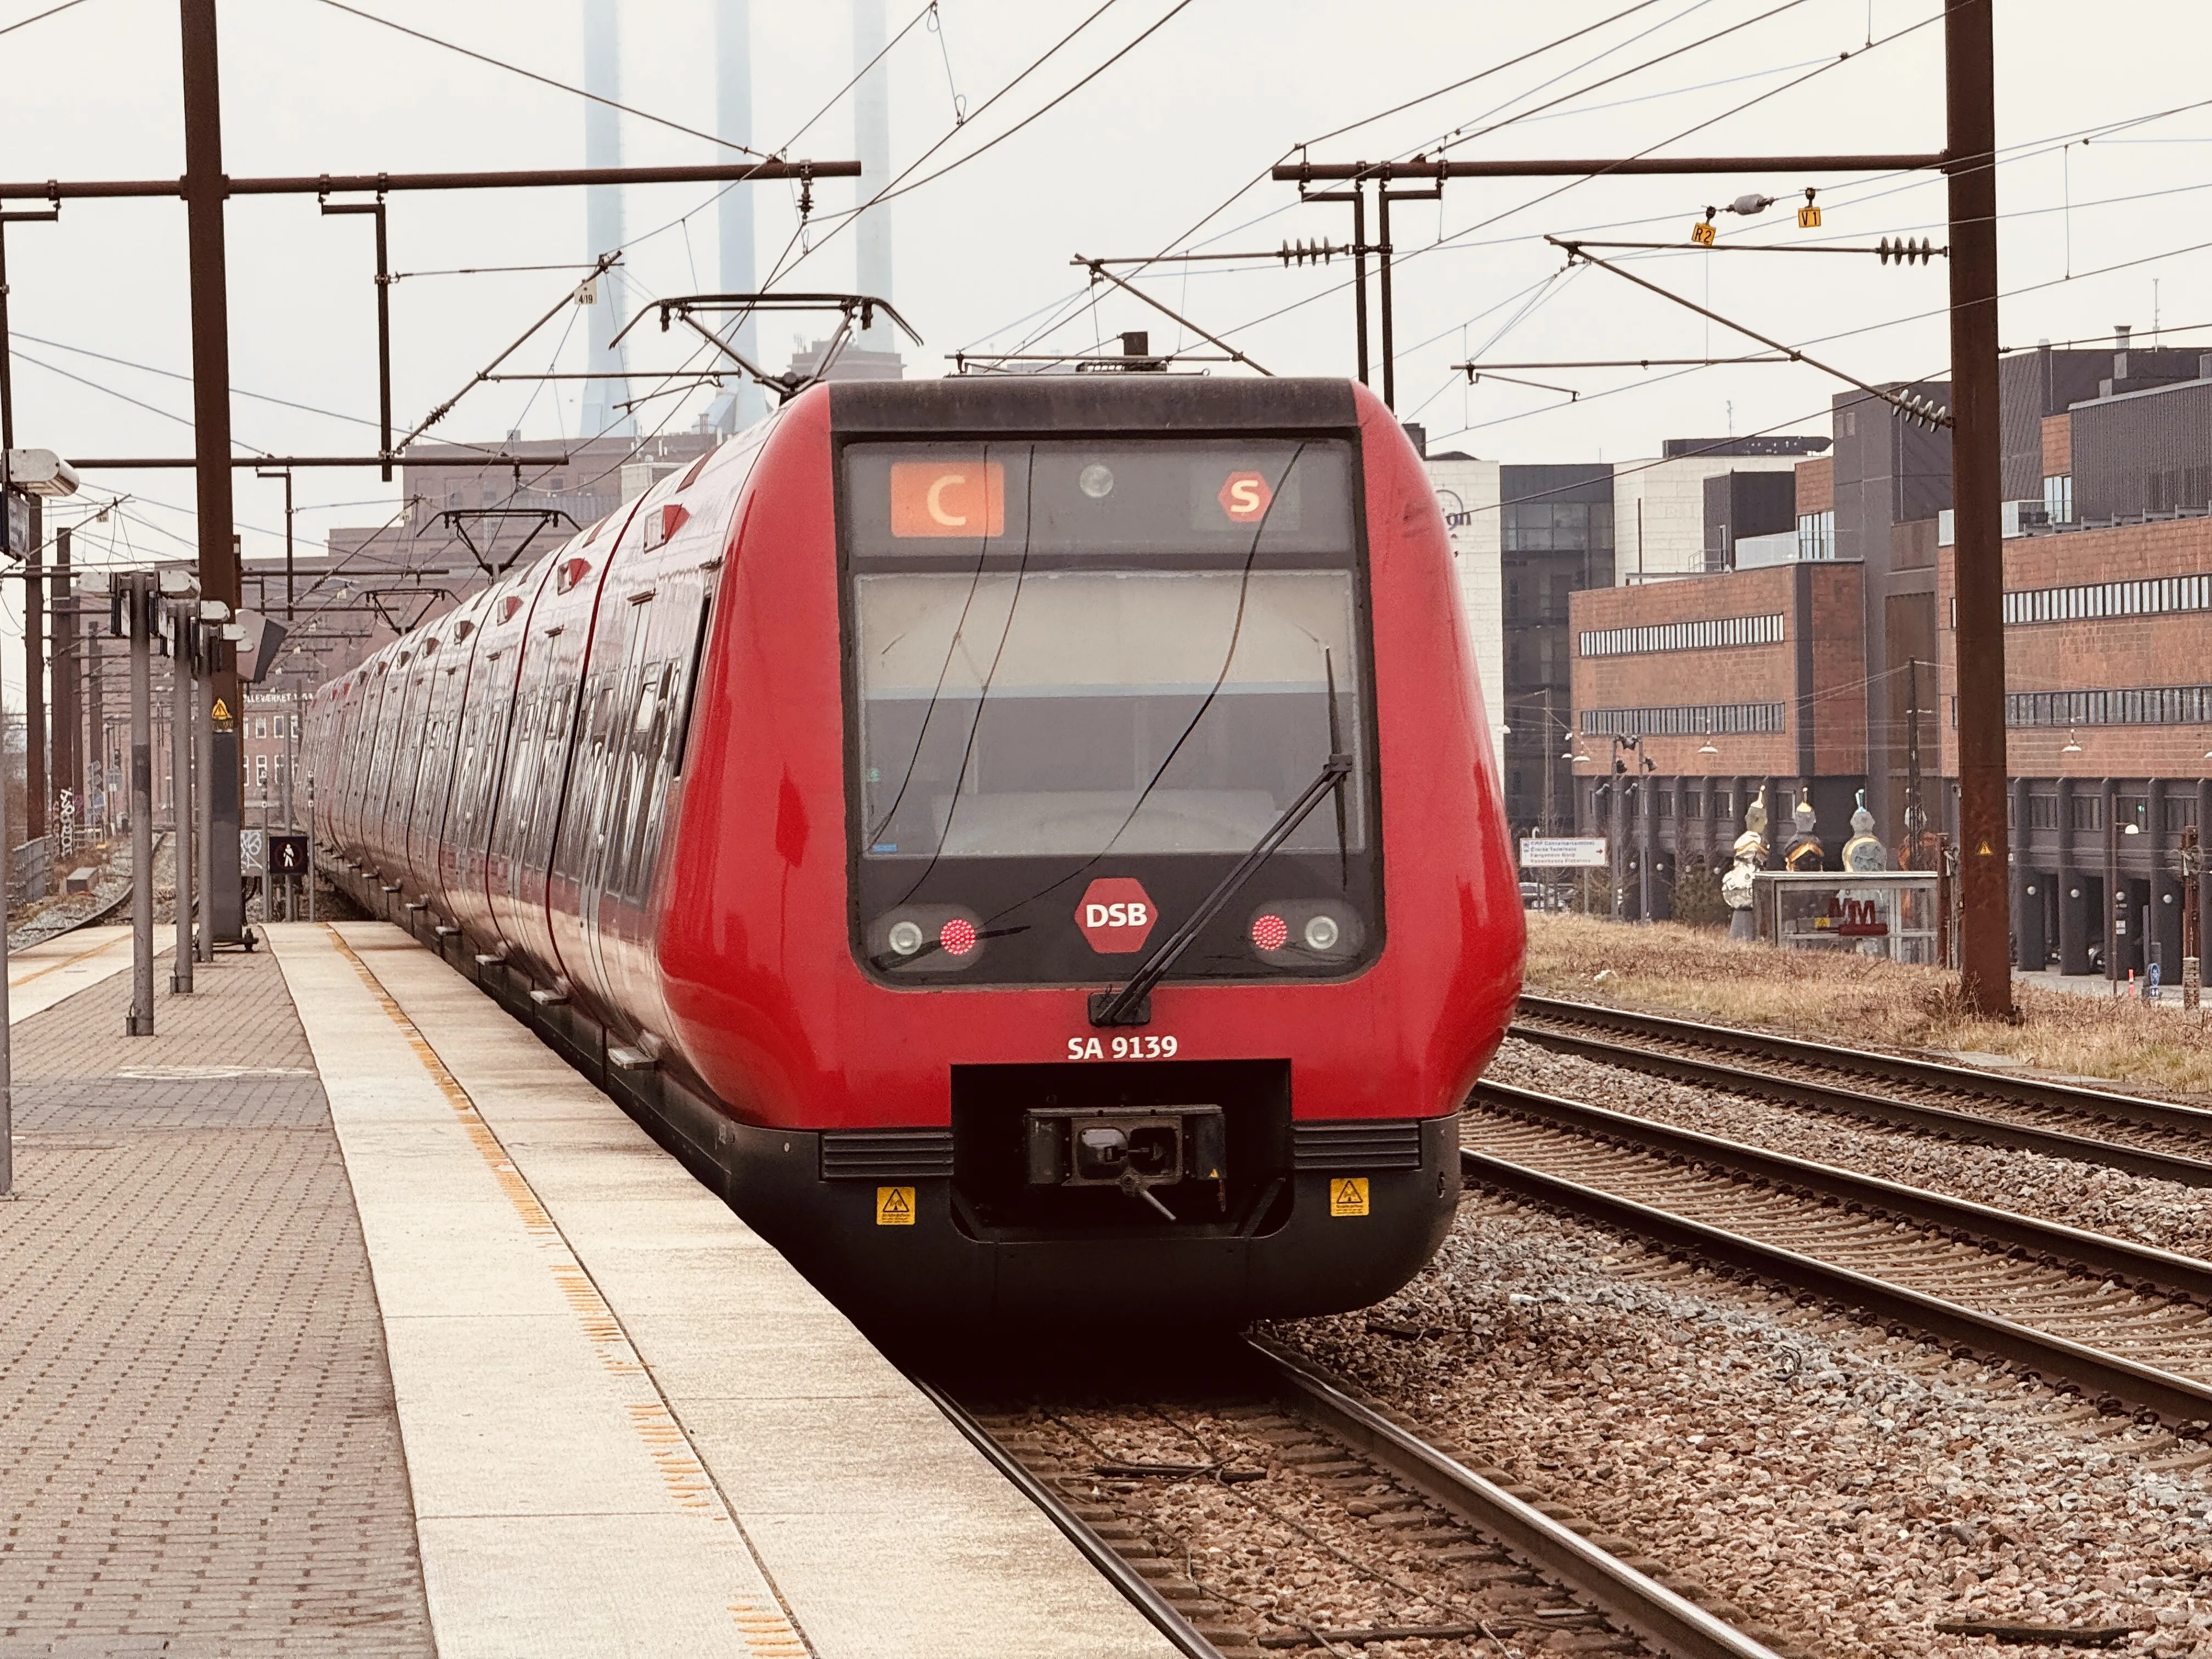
x: 1133, y: 403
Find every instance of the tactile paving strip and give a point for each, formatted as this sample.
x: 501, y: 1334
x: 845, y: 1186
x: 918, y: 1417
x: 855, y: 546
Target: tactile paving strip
x: 198, y: 1449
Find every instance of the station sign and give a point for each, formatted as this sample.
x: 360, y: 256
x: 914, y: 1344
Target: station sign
x: 1563, y: 852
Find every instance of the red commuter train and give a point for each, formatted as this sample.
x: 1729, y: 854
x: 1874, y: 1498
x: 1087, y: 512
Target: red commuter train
x: 1031, y: 845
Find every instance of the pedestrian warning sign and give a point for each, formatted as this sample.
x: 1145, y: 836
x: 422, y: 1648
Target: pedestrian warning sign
x: 1347, y: 1195
x: 895, y: 1206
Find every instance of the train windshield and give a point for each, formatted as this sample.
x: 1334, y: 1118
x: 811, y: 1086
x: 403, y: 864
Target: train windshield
x: 1128, y: 658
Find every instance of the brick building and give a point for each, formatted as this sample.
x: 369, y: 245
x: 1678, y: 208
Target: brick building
x: 2108, y: 680
x: 269, y: 748
x: 1724, y: 685
x: 1692, y: 696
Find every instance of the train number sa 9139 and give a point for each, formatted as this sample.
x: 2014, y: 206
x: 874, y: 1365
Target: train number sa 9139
x: 1122, y: 1048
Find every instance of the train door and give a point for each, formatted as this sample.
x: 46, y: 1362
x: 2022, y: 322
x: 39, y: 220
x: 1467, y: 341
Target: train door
x: 628, y: 927
x: 632, y: 724
x: 602, y: 716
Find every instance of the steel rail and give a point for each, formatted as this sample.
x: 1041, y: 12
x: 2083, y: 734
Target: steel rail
x: 1830, y: 1097
x: 1673, y: 1623
x: 1132, y: 1584
x: 1896, y: 1068
x: 2177, y: 1400
x: 2140, y: 1265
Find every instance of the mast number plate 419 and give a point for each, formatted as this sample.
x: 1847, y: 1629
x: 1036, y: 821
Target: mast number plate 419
x: 1121, y: 1048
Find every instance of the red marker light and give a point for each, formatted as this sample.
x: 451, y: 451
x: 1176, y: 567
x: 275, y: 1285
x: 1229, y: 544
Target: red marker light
x: 957, y: 936
x: 1271, y: 932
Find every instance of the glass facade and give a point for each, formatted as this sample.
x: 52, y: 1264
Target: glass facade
x: 1555, y: 538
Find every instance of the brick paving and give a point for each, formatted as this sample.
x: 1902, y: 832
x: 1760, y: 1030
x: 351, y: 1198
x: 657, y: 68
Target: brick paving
x: 199, y: 1454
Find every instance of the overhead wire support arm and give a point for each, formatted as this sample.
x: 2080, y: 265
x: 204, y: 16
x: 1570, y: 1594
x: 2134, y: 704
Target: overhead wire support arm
x: 1301, y: 173
x: 1475, y: 375
x: 1904, y: 250
x: 600, y: 266
x: 384, y: 280
x: 1627, y: 362
x: 1097, y: 270
x: 719, y: 173
x: 861, y: 307
x: 1915, y: 408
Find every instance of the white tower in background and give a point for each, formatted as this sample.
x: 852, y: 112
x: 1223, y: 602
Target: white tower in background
x: 602, y: 223
x: 744, y: 403
x: 872, y: 143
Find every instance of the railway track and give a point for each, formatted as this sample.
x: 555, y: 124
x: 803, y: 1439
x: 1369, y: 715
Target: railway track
x: 106, y: 913
x: 1412, y: 1544
x: 2166, y: 1140
x: 2130, y: 1325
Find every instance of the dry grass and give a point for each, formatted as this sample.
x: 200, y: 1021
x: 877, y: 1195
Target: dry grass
x: 1672, y: 970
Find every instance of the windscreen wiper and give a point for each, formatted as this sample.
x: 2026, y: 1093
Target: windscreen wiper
x: 1133, y: 1003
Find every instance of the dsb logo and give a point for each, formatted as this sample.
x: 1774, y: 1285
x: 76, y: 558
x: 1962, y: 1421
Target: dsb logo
x: 1115, y: 914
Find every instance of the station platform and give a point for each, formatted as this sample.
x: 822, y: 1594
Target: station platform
x: 343, y: 1317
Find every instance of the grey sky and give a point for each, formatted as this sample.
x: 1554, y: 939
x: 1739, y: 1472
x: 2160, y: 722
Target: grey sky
x: 1222, y: 90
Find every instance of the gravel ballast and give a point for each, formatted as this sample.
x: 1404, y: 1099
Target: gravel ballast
x: 1849, y: 1490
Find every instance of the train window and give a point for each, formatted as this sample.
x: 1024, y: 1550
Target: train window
x: 1140, y: 653
x: 1062, y: 712
x: 691, y: 684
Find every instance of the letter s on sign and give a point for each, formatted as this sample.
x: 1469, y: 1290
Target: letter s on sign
x: 1245, y: 493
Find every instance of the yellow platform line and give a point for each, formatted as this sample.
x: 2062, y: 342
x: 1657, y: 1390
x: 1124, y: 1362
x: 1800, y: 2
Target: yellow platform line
x: 769, y: 1634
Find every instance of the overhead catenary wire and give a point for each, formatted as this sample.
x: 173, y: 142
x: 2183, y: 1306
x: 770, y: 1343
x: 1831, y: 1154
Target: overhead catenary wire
x: 1823, y: 67
x: 899, y: 186
x: 1480, y: 75
x: 1584, y: 178
x: 39, y: 16
x: 544, y: 80
x: 1264, y: 175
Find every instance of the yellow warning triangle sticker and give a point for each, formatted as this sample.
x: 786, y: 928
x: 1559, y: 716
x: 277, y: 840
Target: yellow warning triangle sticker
x: 894, y: 1202
x: 1984, y: 852
x: 222, y: 709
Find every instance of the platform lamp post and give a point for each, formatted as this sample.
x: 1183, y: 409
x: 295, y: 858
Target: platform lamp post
x: 23, y: 472
x: 2115, y: 911
x: 1617, y: 815
x: 2192, y: 870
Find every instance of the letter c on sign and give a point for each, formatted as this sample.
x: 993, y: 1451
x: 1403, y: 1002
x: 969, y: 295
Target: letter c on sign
x: 936, y: 504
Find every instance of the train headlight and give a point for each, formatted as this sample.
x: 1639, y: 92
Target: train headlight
x: 925, y: 939
x: 1306, y: 933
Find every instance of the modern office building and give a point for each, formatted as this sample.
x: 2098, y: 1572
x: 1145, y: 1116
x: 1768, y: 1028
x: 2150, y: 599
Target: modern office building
x: 1823, y: 665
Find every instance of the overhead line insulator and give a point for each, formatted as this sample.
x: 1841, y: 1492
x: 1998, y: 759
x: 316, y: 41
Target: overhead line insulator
x: 1906, y: 252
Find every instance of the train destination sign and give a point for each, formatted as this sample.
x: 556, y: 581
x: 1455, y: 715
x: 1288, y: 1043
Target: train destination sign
x: 1562, y: 851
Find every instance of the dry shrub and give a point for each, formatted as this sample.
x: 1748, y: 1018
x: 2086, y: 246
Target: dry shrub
x: 1687, y: 972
